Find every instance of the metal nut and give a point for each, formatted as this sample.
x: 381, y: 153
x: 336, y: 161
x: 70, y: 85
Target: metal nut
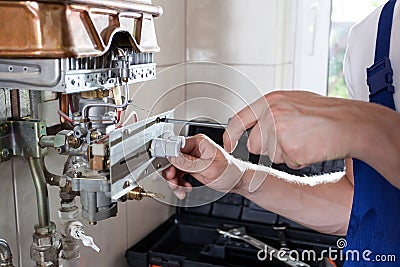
x: 61, y: 138
x: 46, y: 248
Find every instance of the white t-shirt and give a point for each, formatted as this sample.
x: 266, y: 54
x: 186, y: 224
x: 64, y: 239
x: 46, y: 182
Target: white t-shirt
x: 361, y: 52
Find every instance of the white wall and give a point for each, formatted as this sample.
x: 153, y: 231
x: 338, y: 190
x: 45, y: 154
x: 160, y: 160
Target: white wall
x: 218, y: 56
x: 224, y: 55
x: 247, y: 39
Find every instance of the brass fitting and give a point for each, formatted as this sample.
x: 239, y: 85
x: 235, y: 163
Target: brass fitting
x: 73, y: 142
x: 138, y: 194
x: 95, y: 135
x: 84, y: 120
x: 96, y: 94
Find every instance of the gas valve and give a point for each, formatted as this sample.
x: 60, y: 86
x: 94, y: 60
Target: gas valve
x: 76, y: 231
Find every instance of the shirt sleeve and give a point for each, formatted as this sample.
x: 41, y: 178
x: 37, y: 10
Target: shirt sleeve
x: 347, y: 70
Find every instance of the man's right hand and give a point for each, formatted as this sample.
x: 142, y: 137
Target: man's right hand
x: 298, y: 128
x: 208, y: 163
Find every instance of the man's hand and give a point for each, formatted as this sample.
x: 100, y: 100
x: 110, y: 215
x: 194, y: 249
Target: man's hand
x: 297, y: 128
x: 208, y: 163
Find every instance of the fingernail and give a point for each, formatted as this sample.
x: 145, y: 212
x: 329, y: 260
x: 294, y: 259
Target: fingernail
x: 187, y: 189
x: 180, y: 194
x: 172, y: 186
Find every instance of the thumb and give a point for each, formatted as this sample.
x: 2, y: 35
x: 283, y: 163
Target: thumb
x: 190, y: 164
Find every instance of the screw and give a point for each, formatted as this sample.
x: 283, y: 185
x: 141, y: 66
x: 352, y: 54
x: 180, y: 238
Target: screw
x: 127, y: 184
x: 158, y: 165
x: 5, y: 153
x: 4, y: 128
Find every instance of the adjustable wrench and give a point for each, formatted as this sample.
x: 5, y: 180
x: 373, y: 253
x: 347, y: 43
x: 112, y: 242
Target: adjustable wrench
x: 240, y: 234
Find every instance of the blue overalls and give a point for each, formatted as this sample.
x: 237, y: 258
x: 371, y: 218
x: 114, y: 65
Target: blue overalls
x: 374, y: 229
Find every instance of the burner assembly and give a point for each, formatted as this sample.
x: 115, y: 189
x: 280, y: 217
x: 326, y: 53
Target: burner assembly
x: 76, y: 59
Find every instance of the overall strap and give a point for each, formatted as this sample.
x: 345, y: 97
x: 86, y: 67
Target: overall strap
x: 380, y: 75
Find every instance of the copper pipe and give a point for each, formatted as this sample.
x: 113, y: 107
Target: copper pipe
x: 121, y: 5
x: 63, y: 107
x: 85, y: 109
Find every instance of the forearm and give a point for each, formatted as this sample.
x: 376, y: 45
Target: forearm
x: 379, y: 142
x: 324, y: 207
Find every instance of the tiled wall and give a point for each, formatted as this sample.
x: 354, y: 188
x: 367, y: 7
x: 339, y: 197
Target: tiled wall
x: 218, y: 56
x: 243, y: 43
x: 244, y: 53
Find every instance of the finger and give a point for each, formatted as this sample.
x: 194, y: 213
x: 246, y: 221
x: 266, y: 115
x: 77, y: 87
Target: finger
x: 179, y: 174
x: 190, y: 164
x: 169, y: 173
x: 173, y: 184
x: 208, y: 149
x: 242, y: 121
x: 180, y: 193
x: 262, y: 139
x: 256, y: 140
x: 187, y: 187
x: 293, y: 165
x: 179, y: 182
x: 192, y: 145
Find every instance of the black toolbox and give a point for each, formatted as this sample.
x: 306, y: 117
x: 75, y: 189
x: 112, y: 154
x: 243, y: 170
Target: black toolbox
x: 190, y: 237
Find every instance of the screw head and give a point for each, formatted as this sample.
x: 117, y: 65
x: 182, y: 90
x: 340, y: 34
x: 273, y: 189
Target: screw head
x: 4, y: 128
x: 127, y: 184
x: 5, y: 153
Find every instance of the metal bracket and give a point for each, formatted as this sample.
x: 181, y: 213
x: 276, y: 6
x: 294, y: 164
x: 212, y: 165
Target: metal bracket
x: 130, y: 157
x: 21, y: 138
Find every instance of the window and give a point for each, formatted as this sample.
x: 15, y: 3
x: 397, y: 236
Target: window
x: 344, y: 15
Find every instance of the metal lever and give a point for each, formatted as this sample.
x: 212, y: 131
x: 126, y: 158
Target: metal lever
x: 240, y: 234
x: 77, y: 232
x: 88, y: 241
